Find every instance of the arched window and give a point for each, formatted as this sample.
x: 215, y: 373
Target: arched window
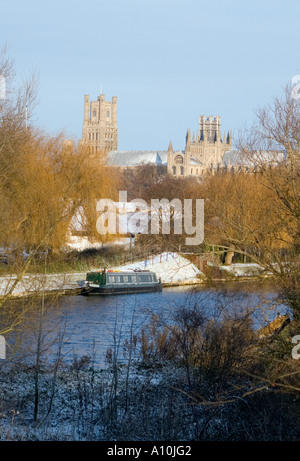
x: 181, y: 170
x: 174, y: 170
x: 178, y: 159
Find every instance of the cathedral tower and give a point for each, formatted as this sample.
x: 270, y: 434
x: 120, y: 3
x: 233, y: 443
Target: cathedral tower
x: 100, y: 130
x: 203, y: 153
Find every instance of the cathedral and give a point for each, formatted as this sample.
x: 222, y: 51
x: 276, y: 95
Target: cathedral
x: 203, y: 152
x: 207, y: 151
x: 100, y: 130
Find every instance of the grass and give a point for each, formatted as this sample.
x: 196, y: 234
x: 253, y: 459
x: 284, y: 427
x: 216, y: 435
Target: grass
x: 75, y: 261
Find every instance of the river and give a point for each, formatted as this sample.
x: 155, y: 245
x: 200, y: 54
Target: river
x: 90, y: 325
x: 93, y: 324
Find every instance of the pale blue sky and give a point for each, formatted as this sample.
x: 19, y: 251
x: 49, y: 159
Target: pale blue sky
x: 167, y: 61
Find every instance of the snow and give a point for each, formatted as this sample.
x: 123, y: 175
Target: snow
x: 169, y: 267
x: 84, y: 401
x: 243, y: 269
x: 34, y: 283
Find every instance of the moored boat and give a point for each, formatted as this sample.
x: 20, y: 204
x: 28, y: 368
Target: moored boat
x: 113, y: 282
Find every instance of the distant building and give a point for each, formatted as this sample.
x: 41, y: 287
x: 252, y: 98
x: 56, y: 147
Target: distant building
x: 202, y: 153
x: 207, y: 151
x: 100, y: 129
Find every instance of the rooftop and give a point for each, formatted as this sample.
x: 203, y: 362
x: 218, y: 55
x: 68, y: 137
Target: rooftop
x: 136, y: 157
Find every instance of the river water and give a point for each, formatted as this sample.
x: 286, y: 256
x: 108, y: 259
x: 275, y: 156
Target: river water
x: 89, y: 325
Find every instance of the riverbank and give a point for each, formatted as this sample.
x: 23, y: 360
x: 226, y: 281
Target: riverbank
x: 172, y: 268
x: 66, y: 283
x: 105, y: 365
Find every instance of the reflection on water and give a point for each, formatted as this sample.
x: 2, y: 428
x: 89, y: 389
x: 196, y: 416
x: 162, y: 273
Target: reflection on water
x: 89, y: 325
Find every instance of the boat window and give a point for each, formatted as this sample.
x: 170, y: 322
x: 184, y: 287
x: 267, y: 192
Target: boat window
x: 141, y: 278
x: 145, y: 278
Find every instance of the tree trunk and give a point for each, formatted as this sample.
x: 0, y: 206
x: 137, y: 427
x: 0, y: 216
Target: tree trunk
x: 229, y: 256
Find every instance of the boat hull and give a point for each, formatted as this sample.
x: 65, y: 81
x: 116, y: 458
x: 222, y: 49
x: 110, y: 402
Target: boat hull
x: 119, y: 290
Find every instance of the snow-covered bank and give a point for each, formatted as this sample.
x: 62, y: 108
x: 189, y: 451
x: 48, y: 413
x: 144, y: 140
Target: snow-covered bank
x: 243, y: 269
x: 36, y: 283
x: 171, y: 268
x: 82, y: 403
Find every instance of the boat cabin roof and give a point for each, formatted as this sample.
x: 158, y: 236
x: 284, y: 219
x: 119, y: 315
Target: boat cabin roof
x: 115, y: 271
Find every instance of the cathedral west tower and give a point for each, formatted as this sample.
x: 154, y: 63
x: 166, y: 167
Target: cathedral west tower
x: 100, y: 130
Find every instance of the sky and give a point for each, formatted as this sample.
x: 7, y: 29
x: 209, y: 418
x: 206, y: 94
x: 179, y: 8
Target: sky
x: 167, y: 61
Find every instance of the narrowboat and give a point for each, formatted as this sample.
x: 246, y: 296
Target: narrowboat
x: 113, y: 282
